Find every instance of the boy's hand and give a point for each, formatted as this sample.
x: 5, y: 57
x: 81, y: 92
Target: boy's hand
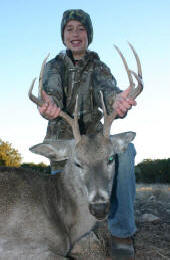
x: 49, y: 110
x: 123, y: 103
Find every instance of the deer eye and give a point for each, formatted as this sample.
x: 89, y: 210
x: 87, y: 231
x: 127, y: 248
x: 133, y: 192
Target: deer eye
x: 78, y: 165
x: 111, y: 159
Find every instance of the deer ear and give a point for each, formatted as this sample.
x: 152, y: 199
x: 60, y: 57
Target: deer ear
x: 56, y: 150
x: 120, y: 141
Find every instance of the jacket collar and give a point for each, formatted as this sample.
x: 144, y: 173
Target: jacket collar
x: 89, y: 56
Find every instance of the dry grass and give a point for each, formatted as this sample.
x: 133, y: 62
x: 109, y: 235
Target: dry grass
x: 160, y: 191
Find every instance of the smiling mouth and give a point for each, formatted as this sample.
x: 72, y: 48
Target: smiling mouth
x: 76, y: 42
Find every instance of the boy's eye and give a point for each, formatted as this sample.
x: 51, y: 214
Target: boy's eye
x: 111, y: 159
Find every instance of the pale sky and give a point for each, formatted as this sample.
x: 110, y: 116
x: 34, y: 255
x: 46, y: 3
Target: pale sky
x: 29, y: 30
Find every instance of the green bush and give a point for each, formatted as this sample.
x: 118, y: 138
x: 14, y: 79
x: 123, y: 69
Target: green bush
x: 41, y: 167
x: 153, y: 171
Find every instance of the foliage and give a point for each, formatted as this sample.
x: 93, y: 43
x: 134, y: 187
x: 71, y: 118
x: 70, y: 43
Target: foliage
x: 41, y: 167
x: 8, y: 155
x: 153, y: 171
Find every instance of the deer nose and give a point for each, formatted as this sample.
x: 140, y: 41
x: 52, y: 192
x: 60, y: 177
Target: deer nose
x: 99, y: 210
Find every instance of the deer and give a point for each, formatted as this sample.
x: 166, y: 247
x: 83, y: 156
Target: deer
x: 43, y: 216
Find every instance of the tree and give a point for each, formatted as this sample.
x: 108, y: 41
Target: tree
x: 40, y: 168
x: 153, y: 171
x: 8, y: 155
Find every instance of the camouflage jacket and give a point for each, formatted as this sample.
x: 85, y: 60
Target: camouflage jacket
x: 63, y: 80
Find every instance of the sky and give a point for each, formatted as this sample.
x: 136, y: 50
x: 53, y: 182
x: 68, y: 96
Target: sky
x: 29, y: 30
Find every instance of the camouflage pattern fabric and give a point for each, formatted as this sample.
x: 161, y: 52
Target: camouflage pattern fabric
x: 63, y: 81
x: 82, y: 17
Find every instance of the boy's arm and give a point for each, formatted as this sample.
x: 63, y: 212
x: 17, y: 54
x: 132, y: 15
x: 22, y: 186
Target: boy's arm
x: 52, y: 83
x: 52, y: 93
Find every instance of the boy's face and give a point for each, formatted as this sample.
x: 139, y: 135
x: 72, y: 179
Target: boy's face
x: 75, y: 38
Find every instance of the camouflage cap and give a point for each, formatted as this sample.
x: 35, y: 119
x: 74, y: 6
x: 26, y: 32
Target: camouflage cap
x: 82, y: 17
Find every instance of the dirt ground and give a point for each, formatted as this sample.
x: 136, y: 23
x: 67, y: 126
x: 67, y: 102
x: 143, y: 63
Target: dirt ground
x: 152, y: 240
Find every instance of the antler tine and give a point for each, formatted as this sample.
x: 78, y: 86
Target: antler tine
x: 32, y: 97
x: 136, y: 91
x: 108, y: 119
x: 73, y: 122
x: 76, y: 130
x: 137, y: 60
x: 126, y: 66
x: 38, y: 101
x: 41, y: 76
x: 103, y: 105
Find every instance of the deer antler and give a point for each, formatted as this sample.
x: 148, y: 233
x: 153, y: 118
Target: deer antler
x: 108, y: 119
x: 134, y: 92
x: 39, y: 101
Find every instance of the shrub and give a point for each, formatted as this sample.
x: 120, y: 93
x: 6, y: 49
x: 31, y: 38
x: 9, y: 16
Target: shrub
x: 153, y: 171
x: 8, y: 155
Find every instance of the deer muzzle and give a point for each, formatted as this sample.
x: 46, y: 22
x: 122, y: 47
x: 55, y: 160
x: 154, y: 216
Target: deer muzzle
x: 99, y: 210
